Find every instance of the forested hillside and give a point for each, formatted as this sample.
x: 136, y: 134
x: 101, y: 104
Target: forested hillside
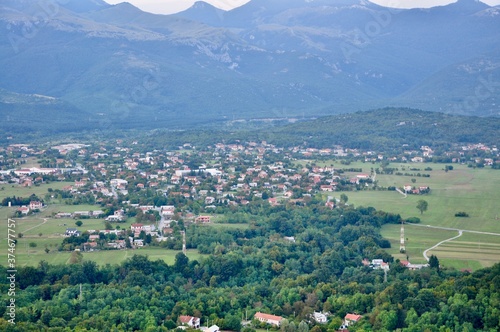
x: 389, y: 129
x: 258, y: 269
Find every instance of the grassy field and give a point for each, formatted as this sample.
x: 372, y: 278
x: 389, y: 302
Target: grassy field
x: 474, y: 191
x: 9, y: 190
x: 26, y: 256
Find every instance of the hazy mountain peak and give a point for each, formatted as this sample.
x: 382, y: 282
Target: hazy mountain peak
x: 468, y: 5
x: 83, y: 6
x: 203, y: 12
x: 202, y: 5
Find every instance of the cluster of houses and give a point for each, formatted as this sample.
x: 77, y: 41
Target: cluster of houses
x: 409, y: 189
x: 270, y: 319
x: 33, y: 206
x: 80, y: 214
x: 376, y: 264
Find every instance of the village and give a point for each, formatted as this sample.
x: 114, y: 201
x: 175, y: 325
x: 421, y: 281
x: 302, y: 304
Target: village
x: 161, y: 188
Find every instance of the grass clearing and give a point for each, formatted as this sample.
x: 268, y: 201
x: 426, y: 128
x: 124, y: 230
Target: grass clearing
x: 474, y: 191
x: 417, y: 240
x: 32, y: 257
x: 230, y: 226
x: 9, y: 190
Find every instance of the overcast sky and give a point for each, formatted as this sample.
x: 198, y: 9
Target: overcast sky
x: 174, y: 6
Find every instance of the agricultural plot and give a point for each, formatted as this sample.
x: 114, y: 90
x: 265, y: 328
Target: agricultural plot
x: 473, y: 191
x: 475, y: 251
x: 9, y: 190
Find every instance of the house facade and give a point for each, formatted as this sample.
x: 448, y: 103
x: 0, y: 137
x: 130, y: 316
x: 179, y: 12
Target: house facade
x: 268, y: 319
x: 190, y: 321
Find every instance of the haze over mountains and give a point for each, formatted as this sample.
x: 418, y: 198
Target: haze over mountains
x: 116, y: 65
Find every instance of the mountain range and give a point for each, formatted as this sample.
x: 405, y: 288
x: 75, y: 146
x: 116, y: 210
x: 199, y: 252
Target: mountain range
x: 115, y: 66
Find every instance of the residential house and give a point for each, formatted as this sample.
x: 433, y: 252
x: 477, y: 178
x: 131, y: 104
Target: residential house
x: 36, y: 205
x: 93, y: 238
x: 168, y: 211
x: 319, y: 317
x: 203, y: 219
x: 326, y: 188
x: 351, y: 318
x: 63, y: 215
x: 24, y: 210
x: 273, y: 201
x: 80, y: 214
x: 379, y: 264
x: 411, y: 266
x: 268, y: 319
x: 138, y: 242
x: 136, y: 228
x: 114, y: 218
x: 72, y: 232
x: 79, y: 184
x: 209, y: 200
x: 190, y: 321
x: 213, y: 328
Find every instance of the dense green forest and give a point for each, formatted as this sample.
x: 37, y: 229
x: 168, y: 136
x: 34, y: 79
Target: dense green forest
x: 256, y: 268
x: 390, y: 129
x: 384, y: 130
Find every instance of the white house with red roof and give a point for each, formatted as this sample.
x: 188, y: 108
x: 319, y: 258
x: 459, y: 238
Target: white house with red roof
x: 268, y: 318
x: 351, y: 318
x: 24, y: 209
x: 136, y: 228
x: 190, y: 321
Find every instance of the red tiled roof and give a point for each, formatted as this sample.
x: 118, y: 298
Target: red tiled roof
x: 352, y: 317
x: 268, y: 316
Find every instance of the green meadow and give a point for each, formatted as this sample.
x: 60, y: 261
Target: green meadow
x: 463, y: 189
x: 9, y: 190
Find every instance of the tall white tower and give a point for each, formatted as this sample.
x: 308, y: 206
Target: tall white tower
x: 183, y: 242
x: 402, y: 247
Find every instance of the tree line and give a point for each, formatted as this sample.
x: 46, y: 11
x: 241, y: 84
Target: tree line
x: 290, y: 261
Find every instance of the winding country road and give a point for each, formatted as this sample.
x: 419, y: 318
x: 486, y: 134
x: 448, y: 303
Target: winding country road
x: 440, y: 243
x: 460, y: 232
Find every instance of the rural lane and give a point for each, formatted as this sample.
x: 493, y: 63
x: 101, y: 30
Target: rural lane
x: 440, y: 243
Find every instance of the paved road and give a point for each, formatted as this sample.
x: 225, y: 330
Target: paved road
x: 402, y: 193
x: 440, y: 243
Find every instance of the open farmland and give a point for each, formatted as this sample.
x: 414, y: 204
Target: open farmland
x: 474, y: 191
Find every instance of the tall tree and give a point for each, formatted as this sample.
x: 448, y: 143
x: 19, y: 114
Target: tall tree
x: 434, y: 262
x: 422, y: 206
